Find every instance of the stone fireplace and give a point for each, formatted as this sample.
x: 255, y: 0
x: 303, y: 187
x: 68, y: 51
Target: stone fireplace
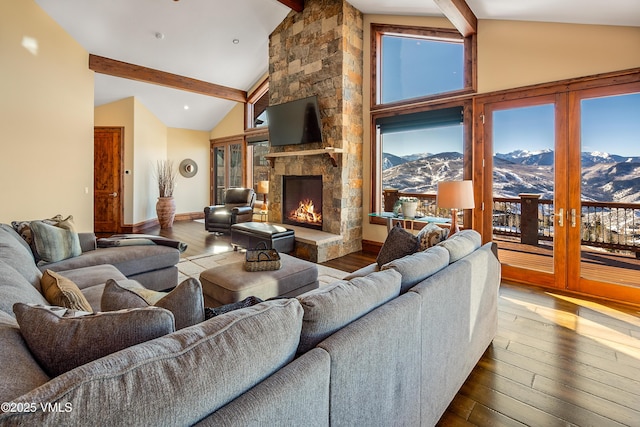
x: 302, y: 200
x: 318, y: 52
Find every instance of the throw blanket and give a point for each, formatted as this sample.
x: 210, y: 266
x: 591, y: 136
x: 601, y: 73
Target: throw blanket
x: 139, y: 239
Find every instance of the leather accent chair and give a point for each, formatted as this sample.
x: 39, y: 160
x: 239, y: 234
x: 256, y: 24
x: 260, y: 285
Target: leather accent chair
x: 238, y: 207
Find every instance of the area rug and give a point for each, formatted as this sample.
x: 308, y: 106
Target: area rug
x: 194, y: 265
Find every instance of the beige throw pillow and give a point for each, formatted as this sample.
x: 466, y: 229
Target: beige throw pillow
x: 185, y: 301
x: 62, y: 339
x: 62, y: 292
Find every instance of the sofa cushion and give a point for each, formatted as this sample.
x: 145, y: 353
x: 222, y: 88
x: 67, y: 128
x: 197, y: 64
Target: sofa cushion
x: 64, y: 339
x: 62, y: 292
x: 14, y: 252
x: 86, y: 277
x: 55, y: 243
x: 15, y: 288
x: 20, y: 371
x: 185, y: 301
x: 416, y: 267
x: 430, y: 235
x: 129, y: 260
x: 399, y: 242
x: 332, y: 307
x: 462, y: 244
x: 177, y: 379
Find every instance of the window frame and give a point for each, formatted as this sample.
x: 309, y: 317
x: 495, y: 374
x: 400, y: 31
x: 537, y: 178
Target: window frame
x: 444, y: 34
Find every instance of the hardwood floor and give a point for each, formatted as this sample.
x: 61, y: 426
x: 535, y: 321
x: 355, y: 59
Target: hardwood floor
x: 557, y: 360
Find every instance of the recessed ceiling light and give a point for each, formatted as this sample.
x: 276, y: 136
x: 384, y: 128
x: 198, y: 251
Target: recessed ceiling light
x: 236, y: 41
x: 186, y: 107
x: 159, y: 35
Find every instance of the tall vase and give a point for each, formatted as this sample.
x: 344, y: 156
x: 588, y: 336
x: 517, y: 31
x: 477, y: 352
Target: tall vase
x: 166, y: 210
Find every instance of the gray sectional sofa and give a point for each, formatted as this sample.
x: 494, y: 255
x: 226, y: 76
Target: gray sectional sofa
x: 390, y: 346
x: 153, y: 266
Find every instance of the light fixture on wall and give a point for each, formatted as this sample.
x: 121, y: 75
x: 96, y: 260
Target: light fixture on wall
x: 263, y: 187
x: 455, y: 195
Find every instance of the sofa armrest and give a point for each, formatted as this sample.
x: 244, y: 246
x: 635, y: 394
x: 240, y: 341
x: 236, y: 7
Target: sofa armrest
x: 88, y: 241
x: 242, y: 210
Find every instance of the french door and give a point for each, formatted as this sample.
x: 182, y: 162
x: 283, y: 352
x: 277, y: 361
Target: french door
x: 527, y: 192
x: 562, y: 178
x: 227, y: 166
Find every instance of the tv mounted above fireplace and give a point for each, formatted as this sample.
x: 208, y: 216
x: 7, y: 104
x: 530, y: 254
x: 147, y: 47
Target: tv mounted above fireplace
x: 295, y: 122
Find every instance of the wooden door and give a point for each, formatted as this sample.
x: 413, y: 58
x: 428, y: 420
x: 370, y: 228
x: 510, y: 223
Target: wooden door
x: 107, y: 181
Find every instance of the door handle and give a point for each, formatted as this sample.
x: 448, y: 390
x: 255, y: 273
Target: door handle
x: 573, y: 218
x: 561, y: 218
x: 114, y: 194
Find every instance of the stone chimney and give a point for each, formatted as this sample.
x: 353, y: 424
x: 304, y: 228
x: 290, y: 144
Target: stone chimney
x: 319, y: 52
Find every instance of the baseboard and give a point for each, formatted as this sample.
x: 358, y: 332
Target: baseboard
x: 371, y: 246
x: 150, y: 223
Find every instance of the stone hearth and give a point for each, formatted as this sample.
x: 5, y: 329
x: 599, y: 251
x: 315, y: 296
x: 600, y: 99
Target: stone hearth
x: 319, y: 52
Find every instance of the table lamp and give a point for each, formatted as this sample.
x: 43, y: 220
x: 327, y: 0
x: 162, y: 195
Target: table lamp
x: 455, y: 195
x: 263, y: 187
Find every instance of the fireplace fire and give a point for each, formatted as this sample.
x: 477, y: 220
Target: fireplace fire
x: 306, y: 213
x: 302, y: 201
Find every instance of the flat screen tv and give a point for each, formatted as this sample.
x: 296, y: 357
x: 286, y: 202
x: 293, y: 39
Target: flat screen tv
x: 295, y: 122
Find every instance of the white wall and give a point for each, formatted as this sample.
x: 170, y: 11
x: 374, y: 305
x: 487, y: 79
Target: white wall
x: 46, y: 118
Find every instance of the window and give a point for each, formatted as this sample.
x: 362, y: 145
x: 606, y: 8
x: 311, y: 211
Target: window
x: 412, y: 63
x: 417, y: 150
x: 256, y: 106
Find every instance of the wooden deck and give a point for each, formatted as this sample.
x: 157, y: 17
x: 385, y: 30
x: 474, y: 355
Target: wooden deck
x: 600, y: 266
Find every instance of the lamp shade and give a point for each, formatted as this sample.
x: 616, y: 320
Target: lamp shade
x: 263, y: 187
x: 455, y: 195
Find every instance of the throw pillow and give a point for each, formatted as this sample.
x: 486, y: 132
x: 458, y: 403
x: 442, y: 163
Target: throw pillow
x: 398, y: 243
x: 60, y: 291
x: 185, y: 301
x: 65, y: 339
x: 332, y: 307
x: 53, y: 243
x: 431, y: 235
x: 23, y: 228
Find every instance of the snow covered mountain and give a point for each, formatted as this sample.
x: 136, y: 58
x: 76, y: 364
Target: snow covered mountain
x: 605, y: 177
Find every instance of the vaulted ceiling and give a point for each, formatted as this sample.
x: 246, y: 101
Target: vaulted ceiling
x: 220, y: 45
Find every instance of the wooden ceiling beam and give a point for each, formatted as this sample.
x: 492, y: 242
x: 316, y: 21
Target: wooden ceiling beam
x: 460, y: 15
x: 297, y: 5
x: 112, y: 67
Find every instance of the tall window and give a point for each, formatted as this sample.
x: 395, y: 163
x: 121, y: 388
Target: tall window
x: 257, y: 103
x: 419, y: 139
x: 412, y: 63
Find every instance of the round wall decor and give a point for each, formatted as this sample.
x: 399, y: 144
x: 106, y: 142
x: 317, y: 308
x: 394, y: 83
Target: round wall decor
x: 188, y: 168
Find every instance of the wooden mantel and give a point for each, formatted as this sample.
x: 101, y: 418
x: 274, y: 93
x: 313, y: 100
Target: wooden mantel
x: 329, y: 151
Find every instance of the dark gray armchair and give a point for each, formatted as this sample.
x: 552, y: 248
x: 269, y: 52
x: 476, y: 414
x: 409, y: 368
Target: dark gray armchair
x: 238, y: 207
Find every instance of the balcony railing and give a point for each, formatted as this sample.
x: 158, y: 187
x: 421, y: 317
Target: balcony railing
x: 609, y: 225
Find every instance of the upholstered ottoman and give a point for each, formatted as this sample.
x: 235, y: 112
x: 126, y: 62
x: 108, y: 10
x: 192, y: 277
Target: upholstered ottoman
x: 231, y: 283
x: 249, y: 234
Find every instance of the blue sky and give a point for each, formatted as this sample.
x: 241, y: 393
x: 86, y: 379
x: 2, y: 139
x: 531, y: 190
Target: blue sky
x: 415, y: 67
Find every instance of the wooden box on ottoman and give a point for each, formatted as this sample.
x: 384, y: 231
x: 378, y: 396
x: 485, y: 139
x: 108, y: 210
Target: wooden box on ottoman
x: 249, y: 234
x: 230, y: 283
